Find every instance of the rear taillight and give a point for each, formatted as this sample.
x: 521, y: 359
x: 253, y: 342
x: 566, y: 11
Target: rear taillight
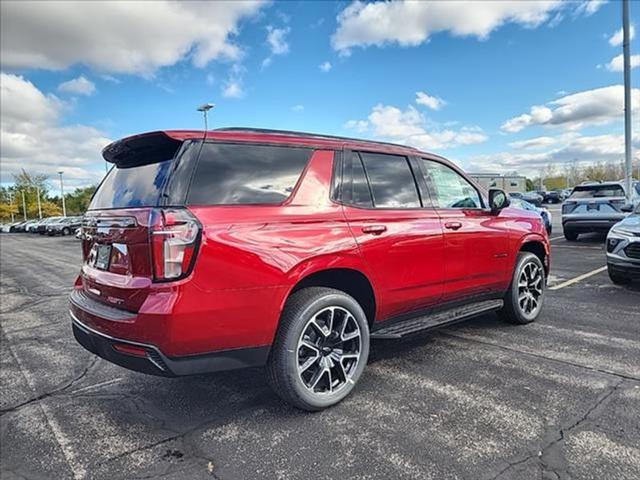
x: 175, y: 234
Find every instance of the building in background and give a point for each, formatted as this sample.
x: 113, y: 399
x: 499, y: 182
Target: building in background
x: 508, y: 183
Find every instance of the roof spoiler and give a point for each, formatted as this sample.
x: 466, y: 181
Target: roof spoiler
x: 142, y: 149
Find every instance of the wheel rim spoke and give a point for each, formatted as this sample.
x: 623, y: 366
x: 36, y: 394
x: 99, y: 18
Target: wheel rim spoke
x: 328, y: 350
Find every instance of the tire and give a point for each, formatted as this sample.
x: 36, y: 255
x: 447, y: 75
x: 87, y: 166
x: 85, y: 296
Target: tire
x: 305, y: 312
x: 65, y: 231
x: 516, y: 310
x: 617, y: 277
x: 570, y: 235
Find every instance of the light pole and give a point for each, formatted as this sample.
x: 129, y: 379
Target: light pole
x: 11, y: 198
x: 627, y: 98
x: 205, y: 109
x: 24, y: 206
x: 64, y: 208
x: 39, y: 204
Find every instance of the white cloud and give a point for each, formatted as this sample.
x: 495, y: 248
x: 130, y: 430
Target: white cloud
x: 276, y: 38
x: 411, y: 23
x: 123, y: 37
x: 359, y: 126
x: 429, y: 101
x: 590, y: 107
x: 232, y: 89
x: 617, y: 63
x: 616, y: 39
x: 32, y: 136
x: 325, y: 66
x: 78, y: 86
x: 561, y: 150
x: 297, y: 108
x: 409, y: 127
x: 233, y: 86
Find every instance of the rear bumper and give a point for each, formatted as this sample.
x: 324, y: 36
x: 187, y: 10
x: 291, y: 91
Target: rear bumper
x: 577, y: 225
x: 152, y: 361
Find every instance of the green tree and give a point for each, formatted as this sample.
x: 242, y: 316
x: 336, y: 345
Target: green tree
x: 77, y: 202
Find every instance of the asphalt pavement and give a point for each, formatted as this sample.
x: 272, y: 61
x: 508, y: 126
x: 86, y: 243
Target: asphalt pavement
x: 557, y: 399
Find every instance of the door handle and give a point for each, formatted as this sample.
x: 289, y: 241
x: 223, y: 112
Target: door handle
x: 374, y: 229
x: 453, y: 225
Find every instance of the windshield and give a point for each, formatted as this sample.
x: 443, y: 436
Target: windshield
x: 598, y: 191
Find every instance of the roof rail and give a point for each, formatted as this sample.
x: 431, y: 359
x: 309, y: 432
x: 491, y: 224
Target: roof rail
x: 293, y: 133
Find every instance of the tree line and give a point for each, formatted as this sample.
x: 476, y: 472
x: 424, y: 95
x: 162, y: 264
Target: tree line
x: 31, y: 185
x: 553, y: 177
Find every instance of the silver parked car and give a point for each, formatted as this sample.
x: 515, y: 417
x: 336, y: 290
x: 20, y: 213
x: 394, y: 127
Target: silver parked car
x: 623, y: 249
x: 595, y: 207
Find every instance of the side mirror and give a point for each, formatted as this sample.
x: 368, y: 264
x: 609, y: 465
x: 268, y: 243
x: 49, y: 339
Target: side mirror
x: 498, y: 200
x: 627, y: 208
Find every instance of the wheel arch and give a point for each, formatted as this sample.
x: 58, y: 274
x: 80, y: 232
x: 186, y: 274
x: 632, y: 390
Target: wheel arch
x: 348, y: 279
x: 537, y: 245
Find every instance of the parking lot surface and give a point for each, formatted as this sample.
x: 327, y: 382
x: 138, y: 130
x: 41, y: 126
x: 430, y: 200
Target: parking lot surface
x: 480, y: 400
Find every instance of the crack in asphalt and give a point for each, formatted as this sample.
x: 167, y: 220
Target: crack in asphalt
x: 549, y: 454
x: 52, y: 393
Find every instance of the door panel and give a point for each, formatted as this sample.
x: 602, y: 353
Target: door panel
x: 407, y: 258
x: 401, y: 242
x: 475, y: 240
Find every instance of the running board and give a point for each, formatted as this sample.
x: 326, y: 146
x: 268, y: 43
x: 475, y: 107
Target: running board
x: 426, y: 322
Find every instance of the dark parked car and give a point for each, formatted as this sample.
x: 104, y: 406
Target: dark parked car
x: 595, y: 207
x: 623, y: 248
x: 291, y: 250
x: 531, y: 197
x: 553, y: 196
x: 64, y: 226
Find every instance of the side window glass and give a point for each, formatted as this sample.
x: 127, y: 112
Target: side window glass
x: 449, y: 188
x: 392, y: 183
x: 360, y: 193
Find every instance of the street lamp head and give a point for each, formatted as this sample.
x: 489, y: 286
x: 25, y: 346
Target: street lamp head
x: 206, y: 107
x: 60, y: 172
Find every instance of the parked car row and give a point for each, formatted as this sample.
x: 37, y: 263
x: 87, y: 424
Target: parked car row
x: 50, y: 226
x: 517, y: 202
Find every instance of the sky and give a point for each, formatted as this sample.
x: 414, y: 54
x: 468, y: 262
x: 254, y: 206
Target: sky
x: 506, y: 86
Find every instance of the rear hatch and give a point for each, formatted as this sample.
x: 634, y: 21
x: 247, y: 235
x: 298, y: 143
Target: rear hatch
x: 598, y: 200
x: 125, y: 223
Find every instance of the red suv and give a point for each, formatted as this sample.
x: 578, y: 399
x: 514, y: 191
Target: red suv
x: 244, y: 247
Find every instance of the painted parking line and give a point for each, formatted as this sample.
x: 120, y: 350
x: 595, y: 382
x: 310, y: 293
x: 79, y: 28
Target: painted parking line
x: 555, y: 238
x: 578, y: 278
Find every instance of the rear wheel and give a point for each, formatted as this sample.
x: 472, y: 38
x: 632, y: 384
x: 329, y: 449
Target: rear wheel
x: 617, y: 277
x: 523, y: 301
x: 570, y: 235
x: 320, y: 350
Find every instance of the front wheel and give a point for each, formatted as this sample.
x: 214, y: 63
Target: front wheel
x: 320, y: 350
x: 66, y: 231
x: 523, y: 301
x: 617, y: 277
x: 570, y: 235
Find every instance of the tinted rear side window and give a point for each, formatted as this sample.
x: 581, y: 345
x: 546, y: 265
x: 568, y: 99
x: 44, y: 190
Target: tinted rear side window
x: 595, y: 191
x: 132, y: 187
x: 391, y: 181
x: 246, y: 174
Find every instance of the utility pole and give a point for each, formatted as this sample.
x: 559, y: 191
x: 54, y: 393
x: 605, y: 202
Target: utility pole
x: 11, y: 198
x: 64, y: 208
x: 627, y: 98
x: 24, y: 206
x: 39, y: 204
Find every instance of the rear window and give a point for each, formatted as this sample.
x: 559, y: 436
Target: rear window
x: 597, y: 191
x: 132, y: 187
x: 229, y: 174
